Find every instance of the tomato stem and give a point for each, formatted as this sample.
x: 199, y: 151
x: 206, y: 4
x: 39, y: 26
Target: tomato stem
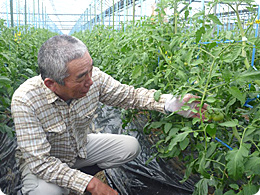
x: 235, y: 133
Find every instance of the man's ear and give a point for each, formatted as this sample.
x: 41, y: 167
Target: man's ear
x: 51, y: 84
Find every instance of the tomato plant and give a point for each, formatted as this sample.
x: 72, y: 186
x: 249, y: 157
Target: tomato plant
x: 188, y: 55
x: 18, y: 61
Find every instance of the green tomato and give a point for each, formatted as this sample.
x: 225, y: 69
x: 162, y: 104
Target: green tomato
x: 208, y: 116
x: 218, y: 116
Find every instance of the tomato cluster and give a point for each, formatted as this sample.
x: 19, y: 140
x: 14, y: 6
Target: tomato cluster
x: 217, y: 116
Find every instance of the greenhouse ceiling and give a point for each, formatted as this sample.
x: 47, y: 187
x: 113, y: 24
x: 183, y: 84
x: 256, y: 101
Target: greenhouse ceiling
x: 64, y: 15
x: 67, y: 17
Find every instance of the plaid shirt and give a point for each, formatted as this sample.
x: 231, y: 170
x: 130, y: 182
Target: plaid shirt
x: 51, y: 134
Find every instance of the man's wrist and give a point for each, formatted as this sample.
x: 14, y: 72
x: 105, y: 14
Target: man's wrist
x: 90, y: 185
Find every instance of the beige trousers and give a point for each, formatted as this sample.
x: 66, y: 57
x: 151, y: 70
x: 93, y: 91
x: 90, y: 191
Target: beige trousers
x: 104, y: 150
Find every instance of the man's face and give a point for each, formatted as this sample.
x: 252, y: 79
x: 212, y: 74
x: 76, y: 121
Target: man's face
x: 79, y: 80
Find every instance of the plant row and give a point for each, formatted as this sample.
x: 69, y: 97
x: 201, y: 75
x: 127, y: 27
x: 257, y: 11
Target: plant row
x: 188, y: 55
x: 18, y: 62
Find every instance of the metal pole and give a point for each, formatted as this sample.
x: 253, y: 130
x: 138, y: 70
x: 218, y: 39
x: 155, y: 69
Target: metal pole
x: 256, y: 35
x: 12, y: 13
x: 34, y: 13
x: 116, y: 13
x: 19, y: 7
x: 102, y: 19
x: 133, y: 12
x: 203, y: 8
x: 84, y: 22
x: 119, y: 3
x: 45, y: 14
x: 42, y: 17
x: 29, y: 19
x: 127, y: 10
x: 39, y: 13
x: 113, y: 14
x: 17, y: 15
x: 90, y: 18
x: 25, y: 13
x: 95, y: 11
x: 124, y: 13
x: 109, y: 17
x: 7, y: 14
x: 87, y: 15
x: 141, y: 12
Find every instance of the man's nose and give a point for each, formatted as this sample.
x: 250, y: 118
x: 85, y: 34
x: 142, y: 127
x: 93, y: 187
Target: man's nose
x: 89, y: 81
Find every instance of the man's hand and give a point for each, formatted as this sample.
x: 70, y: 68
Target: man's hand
x: 96, y: 187
x: 174, y: 104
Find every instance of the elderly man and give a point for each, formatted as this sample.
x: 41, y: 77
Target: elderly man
x: 57, y: 151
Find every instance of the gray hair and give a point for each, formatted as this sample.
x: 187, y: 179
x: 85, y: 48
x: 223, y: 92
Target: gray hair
x: 54, y: 55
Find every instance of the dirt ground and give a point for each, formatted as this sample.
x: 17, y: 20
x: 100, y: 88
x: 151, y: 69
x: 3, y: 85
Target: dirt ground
x: 101, y: 176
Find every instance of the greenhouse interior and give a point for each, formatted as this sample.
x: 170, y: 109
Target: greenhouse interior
x: 207, y: 49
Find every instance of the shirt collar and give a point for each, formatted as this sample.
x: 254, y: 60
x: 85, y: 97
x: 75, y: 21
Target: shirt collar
x: 51, y: 96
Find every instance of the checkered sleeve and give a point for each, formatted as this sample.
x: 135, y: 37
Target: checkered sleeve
x: 120, y: 95
x: 33, y: 143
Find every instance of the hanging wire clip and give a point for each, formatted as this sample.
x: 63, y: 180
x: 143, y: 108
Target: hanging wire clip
x: 249, y: 100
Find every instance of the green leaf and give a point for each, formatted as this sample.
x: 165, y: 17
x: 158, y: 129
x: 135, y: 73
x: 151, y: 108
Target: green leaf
x: 202, y: 165
x: 4, y: 80
x: 199, y: 33
x: 148, y: 82
x: 250, y: 189
x: 232, y: 55
x: 178, y: 138
x: 249, y: 75
x: 211, y: 130
x: 185, y: 108
x: 234, y: 186
x: 218, y: 192
x: 198, y: 14
x: 167, y: 127
x: 202, y: 187
x: 195, y: 120
x: 184, y: 143
x: 30, y: 71
x: 145, y: 58
x: 172, y: 133
x: 210, y: 99
x: 5, y: 56
x: 211, y: 149
x: 232, y: 123
x: 137, y: 72
x: 230, y: 103
x: 230, y: 192
x: 197, y: 62
x: 186, y: 13
x: 191, y: 100
x: 228, y: 35
x: 235, y: 164
x: 214, y: 19
x: 6, y: 129
x: 235, y: 1
x: 238, y: 94
x: 188, y: 56
x: 252, y: 165
x: 188, y: 171
x: 156, y: 125
x: 157, y: 95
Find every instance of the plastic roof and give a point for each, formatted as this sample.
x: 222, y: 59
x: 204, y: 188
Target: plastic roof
x: 64, y: 14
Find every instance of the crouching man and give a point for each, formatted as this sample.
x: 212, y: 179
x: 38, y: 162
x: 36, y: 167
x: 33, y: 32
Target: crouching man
x: 57, y: 151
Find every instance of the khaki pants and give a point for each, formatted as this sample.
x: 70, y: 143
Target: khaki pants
x: 104, y: 150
